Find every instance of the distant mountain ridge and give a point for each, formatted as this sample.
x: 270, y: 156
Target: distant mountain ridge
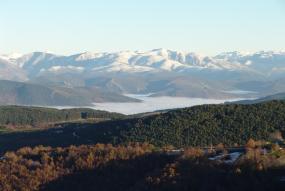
x: 19, y: 93
x: 148, y: 61
x: 159, y: 71
x: 279, y: 96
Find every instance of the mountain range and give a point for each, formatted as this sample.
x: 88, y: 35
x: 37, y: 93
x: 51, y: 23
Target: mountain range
x: 267, y: 64
x: 161, y: 72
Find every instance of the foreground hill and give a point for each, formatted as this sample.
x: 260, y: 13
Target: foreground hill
x: 138, y: 167
x: 206, y: 125
x: 196, y: 126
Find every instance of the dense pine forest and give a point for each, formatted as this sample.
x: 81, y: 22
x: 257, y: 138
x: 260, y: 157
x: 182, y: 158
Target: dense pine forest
x: 208, y: 125
x: 196, y: 126
x: 38, y: 116
x: 138, y: 152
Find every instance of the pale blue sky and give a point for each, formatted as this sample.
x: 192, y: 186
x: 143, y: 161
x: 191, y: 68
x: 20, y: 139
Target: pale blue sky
x: 204, y: 26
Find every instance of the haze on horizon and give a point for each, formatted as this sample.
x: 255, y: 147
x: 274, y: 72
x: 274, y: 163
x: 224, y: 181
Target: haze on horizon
x: 207, y: 27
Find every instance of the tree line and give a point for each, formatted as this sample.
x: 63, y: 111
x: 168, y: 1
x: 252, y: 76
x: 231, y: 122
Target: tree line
x: 231, y: 124
x: 35, y: 116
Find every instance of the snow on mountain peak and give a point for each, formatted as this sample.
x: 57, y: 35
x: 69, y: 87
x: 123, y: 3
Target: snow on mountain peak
x: 144, y: 61
x: 64, y: 68
x: 12, y: 56
x: 88, y: 56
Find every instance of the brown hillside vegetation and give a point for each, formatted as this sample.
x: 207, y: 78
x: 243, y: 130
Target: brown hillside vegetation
x: 137, y: 167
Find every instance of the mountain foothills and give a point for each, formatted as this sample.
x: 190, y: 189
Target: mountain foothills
x: 206, y: 125
x: 20, y: 93
x: 160, y: 71
x: 153, y: 152
x: 231, y: 146
x: 37, y: 117
x: 279, y: 96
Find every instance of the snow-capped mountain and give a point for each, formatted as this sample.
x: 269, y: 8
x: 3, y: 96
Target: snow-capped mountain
x: 163, y: 71
x: 36, y: 63
x: 265, y: 62
x: 10, y: 71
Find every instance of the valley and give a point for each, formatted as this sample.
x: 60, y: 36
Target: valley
x: 149, y: 103
x: 169, y: 119
x: 85, y: 78
x: 145, y: 95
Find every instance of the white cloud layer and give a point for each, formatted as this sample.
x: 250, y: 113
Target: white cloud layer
x: 149, y: 104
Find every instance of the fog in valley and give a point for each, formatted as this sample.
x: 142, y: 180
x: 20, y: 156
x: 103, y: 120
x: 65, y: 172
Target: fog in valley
x: 149, y: 104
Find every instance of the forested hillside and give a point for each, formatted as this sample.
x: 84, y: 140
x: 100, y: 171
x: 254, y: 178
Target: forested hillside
x: 36, y: 116
x: 196, y: 126
x: 209, y: 124
x: 137, y: 167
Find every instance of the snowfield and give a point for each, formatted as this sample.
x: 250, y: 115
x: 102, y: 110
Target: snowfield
x: 145, y: 61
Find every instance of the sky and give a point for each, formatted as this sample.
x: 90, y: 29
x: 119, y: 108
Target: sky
x: 202, y: 26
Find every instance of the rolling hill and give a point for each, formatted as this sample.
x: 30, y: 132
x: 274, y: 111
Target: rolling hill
x: 279, y: 96
x: 19, y: 93
x: 21, y: 116
x: 195, y: 126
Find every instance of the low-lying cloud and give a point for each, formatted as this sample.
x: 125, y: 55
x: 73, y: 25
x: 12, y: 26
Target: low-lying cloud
x: 149, y: 104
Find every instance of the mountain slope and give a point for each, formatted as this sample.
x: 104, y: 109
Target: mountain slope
x: 279, y: 96
x: 9, y: 71
x: 142, y: 71
x: 148, y: 61
x: 24, y: 116
x: 195, y: 126
x: 33, y: 94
